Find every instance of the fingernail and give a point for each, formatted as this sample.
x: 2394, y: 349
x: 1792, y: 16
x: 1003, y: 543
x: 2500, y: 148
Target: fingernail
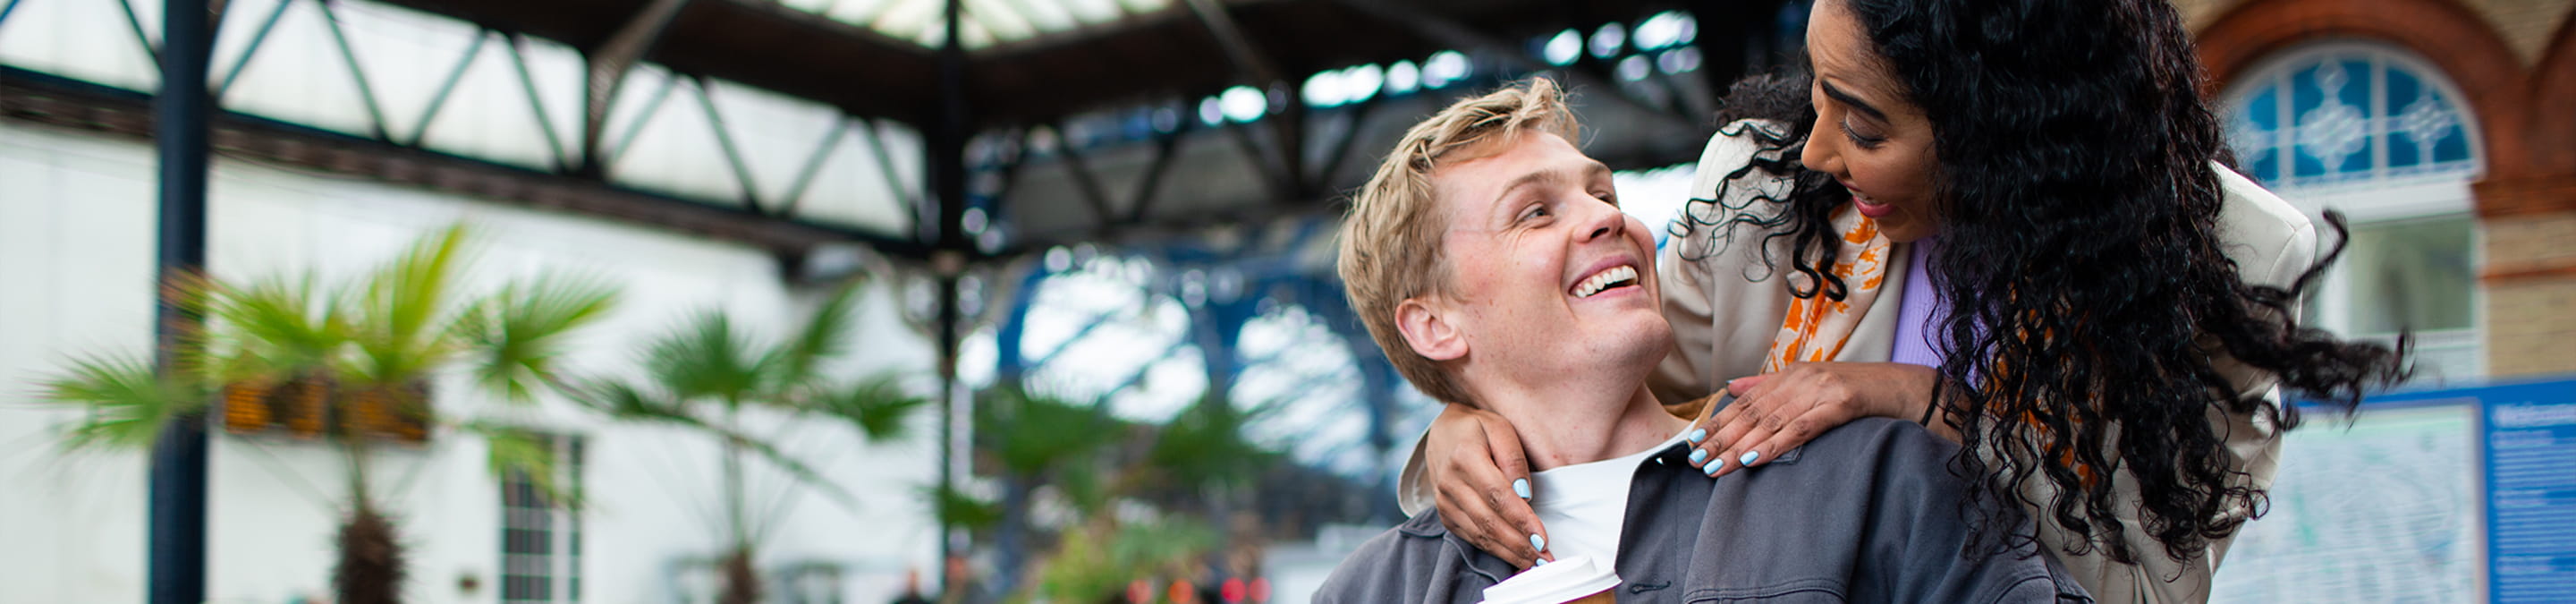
x: 1699, y: 455
x: 1520, y: 486
x: 1541, y: 562
x: 1698, y: 435
x: 1712, y: 467
x: 1537, y: 542
x: 1750, y: 457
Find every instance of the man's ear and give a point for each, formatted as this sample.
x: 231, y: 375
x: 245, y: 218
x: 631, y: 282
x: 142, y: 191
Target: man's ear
x: 1428, y: 330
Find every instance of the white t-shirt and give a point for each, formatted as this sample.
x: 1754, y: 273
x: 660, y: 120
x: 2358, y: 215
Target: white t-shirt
x: 1584, y: 505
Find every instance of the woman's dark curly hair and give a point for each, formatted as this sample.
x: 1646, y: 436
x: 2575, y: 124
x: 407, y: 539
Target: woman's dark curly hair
x: 2080, y: 213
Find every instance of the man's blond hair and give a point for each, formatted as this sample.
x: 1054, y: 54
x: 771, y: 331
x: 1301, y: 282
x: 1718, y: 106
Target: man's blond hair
x: 1391, y: 238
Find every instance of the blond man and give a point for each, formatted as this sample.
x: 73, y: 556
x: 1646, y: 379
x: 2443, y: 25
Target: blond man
x: 1488, y: 257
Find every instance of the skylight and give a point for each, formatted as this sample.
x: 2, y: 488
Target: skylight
x: 985, y: 22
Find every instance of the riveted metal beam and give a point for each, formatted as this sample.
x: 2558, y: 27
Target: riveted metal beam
x: 607, y: 66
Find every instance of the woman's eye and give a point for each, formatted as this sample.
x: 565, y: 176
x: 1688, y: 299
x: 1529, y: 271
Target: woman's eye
x: 1864, y: 141
x: 1608, y: 198
x: 1535, y: 212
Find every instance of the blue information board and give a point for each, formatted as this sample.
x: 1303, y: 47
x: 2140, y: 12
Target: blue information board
x: 2530, y: 451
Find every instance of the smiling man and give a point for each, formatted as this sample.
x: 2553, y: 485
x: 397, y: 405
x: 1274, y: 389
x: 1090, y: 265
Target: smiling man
x: 1489, y: 258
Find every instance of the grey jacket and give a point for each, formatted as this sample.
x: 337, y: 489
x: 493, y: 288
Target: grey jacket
x: 1867, y: 512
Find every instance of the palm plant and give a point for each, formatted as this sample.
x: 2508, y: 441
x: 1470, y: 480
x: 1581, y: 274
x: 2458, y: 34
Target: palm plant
x: 705, y: 374
x: 348, y: 365
x: 1187, y: 468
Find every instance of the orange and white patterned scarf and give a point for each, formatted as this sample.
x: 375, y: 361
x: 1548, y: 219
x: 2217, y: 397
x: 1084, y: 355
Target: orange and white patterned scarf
x: 1817, y: 328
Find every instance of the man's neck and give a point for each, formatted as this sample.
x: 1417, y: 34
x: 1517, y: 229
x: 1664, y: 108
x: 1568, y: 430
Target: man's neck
x: 1560, y: 429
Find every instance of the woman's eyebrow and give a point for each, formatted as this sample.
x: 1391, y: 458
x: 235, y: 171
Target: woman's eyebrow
x: 1847, y: 99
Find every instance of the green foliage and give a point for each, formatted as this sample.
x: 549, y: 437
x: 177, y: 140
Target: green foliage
x: 1096, y: 562
x: 877, y: 406
x: 129, y: 401
x: 1204, y: 448
x: 704, y: 360
x: 389, y: 329
x: 964, y: 511
x: 1032, y: 433
x: 272, y: 329
x: 382, y: 335
x: 522, y: 452
x: 516, y: 334
x: 401, y: 321
x: 701, y: 375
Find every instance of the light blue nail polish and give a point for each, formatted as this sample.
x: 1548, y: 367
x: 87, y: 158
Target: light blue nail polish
x: 1520, y: 486
x: 1697, y: 435
x: 1699, y: 455
x: 1537, y: 542
x: 1541, y: 562
x: 1712, y: 467
x: 1750, y: 457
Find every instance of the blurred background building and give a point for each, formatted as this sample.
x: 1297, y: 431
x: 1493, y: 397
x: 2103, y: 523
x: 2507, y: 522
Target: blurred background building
x: 1095, y: 235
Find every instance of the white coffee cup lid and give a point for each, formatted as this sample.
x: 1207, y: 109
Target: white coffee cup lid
x: 1554, y: 583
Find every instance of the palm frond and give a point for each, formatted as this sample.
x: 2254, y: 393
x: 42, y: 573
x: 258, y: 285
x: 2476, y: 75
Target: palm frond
x: 877, y: 406
x: 517, y: 333
x: 1032, y: 433
x: 128, y: 399
x: 627, y: 402
x: 405, y: 303
x: 278, y: 327
x: 519, y: 452
x: 959, y: 510
x: 795, y: 468
x: 704, y: 358
x: 824, y: 335
x: 1204, y: 446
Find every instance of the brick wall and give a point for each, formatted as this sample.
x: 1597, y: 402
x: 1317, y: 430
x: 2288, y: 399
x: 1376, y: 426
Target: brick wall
x: 2525, y: 25
x: 2531, y: 293
x: 2530, y: 326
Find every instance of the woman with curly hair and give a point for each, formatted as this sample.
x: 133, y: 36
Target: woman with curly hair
x: 2006, y: 219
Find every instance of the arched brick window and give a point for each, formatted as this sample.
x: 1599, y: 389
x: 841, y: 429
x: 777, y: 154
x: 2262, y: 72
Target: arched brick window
x: 2376, y: 132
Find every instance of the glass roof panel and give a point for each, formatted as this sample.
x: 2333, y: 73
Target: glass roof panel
x: 1145, y: 6
x: 1002, y: 20
x: 858, y: 12
x: 1047, y: 16
x: 987, y: 22
x: 1092, y: 12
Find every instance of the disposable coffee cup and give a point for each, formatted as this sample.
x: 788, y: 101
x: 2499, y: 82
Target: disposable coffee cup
x: 1576, y: 580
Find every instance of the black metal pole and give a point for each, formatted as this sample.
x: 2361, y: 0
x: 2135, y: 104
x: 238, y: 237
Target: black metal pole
x: 177, y: 545
x: 947, y: 162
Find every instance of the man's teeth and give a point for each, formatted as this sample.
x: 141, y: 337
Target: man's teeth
x: 1620, y: 275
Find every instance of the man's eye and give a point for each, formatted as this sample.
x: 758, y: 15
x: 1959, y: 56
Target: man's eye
x: 1535, y: 212
x: 1607, y: 197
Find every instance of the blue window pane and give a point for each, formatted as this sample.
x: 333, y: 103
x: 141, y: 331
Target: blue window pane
x: 2403, y: 92
x: 2264, y: 110
x: 2403, y: 88
x: 2305, y: 98
x: 2360, y: 81
x: 2403, y: 150
x: 2451, y: 148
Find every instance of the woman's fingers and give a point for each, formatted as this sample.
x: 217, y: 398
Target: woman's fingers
x: 1495, y: 516
x: 1741, y: 423
x: 1470, y: 514
x: 1511, y: 499
x: 1739, y: 386
x: 1483, y: 489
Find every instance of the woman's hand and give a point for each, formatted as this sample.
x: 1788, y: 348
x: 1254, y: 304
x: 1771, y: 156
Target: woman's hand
x: 1779, y: 411
x: 1480, y: 477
